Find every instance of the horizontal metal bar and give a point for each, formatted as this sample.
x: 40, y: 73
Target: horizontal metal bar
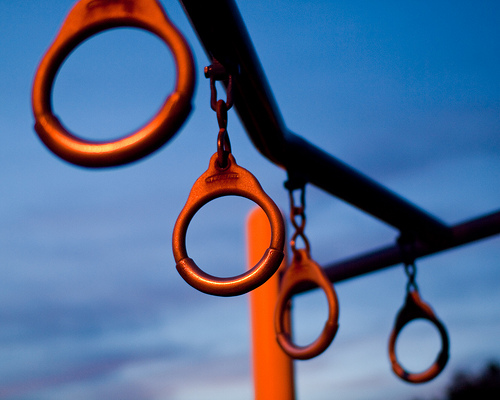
x: 464, y: 233
x: 223, y: 34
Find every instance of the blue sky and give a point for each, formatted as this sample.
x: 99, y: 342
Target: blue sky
x: 91, y: 306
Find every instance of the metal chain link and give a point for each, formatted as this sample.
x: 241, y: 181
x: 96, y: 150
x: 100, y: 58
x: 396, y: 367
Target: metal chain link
x: 217, y: 72
x: 298, y: 220
x: 411, y: 273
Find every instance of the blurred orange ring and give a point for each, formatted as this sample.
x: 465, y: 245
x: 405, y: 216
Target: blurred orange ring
x: 416, y: 308
x: 304, y: 270
x: 87, y: 18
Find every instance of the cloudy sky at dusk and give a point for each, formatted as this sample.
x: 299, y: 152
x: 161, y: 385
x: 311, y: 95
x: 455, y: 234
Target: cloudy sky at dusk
x: 91, y: 305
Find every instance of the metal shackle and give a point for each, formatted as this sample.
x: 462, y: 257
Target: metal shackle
x: 304, y: 270
x: 87, y: 18
x: 414, y: 308
x: 232, y: 180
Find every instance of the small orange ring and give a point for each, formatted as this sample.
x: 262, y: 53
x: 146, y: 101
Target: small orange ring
x: 413, y: 309
x: 304, y: 270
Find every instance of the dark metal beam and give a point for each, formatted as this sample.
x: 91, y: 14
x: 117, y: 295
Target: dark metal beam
x: 464, y: 233
x: 223, y: 34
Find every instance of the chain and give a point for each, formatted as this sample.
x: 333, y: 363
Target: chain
x: 298, y: 219
x: 407, y: 244
x: 223, y: 143
x: 217, y: 72
x: 411, y: 273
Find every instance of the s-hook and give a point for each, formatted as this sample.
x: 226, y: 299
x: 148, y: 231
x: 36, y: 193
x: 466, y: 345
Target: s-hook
x: 87, y: 18
x: 303, y: 270
x: 415, y: 308
x: 225, y: 178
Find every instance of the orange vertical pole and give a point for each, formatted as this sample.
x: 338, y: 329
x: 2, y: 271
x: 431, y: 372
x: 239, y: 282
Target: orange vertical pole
x: 272, y: 369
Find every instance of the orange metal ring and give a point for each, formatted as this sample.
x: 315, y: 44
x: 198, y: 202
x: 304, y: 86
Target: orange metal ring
x: 304, y: 270
x: 415, y: 308
x: 87, y: 18
x: 232, y: 180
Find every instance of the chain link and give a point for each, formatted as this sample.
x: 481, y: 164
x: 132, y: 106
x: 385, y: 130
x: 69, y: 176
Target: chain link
x: 411, y: 273
x: 298, y: 220
x: 217, y: 72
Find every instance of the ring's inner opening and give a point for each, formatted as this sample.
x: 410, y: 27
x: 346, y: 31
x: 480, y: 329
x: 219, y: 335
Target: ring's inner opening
x: 309, y: 316
x: 216, y: 237
x: 113, y: 83
x: 418, y: 345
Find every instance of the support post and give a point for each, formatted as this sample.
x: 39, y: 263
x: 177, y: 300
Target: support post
x: 272, y: 369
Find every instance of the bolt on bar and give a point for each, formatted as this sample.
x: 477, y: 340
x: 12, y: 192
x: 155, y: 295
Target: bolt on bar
x: 223, y: 34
